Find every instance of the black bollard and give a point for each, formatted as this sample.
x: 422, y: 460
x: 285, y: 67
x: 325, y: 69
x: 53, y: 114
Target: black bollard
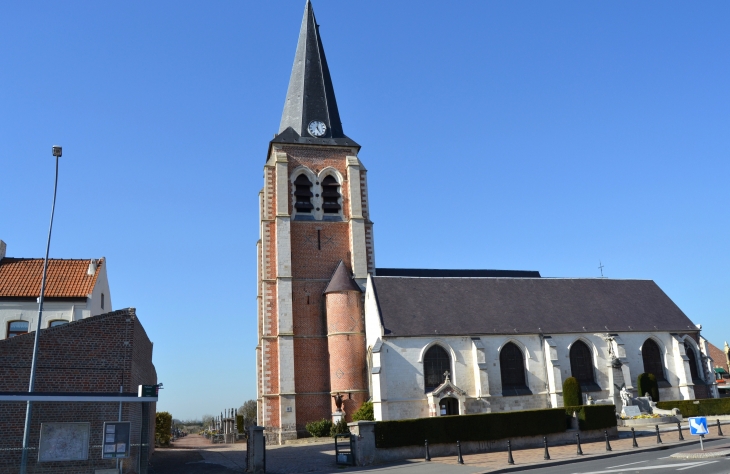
x: 509, y: 453
x: 547, y: 454
x: 633, y: 436
x: 577, y: 439
x: 719, y: 428
x: 658, y: 438
x: 608, y: 445
x: 679, y: 428
x: 428, y: 455
x: 459, y: 459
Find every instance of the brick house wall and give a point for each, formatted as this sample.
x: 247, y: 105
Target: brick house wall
x: 99, y: 354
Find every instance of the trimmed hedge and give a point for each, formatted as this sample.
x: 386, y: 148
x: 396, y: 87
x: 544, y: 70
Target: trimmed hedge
x: 239, y: 423
x: 482, y: 427
x: 572, y: 394
x: 594, y: 417
x: 709, y: 406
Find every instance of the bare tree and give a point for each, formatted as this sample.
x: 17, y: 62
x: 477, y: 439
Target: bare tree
x: 248, y: 410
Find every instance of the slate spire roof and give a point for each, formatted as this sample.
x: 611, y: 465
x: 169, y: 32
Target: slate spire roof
x: 311, y: 95
x: 341, y: 281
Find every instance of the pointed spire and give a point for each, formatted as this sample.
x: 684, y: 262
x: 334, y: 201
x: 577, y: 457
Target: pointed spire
x: 311, y: 96
x: 341, y: 281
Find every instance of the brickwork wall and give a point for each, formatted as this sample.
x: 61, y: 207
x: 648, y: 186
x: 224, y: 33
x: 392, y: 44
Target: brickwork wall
x: 96, y: 355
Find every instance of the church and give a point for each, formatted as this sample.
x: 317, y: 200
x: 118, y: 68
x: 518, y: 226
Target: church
x: 424, y: 342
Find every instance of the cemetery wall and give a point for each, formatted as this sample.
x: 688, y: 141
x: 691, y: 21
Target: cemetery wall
x: 99, y: 354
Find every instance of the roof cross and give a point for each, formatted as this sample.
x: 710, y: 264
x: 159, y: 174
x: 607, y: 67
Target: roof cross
x: 600, y: 266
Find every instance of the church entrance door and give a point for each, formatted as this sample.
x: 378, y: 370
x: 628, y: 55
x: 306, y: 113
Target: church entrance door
x: 449, y: 406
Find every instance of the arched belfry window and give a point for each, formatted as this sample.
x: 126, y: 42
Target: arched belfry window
x: 330, y: 195
x: 653, y: 360
x: 692, y: 363
x: 581, y: 366
x: 435, y: 364
x: 512, y: 368
x: 303, y: 194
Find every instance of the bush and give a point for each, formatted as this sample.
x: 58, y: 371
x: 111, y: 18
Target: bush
x: 163, y: 428
x: 707, y: 407
x: 320, y: 428
x: 364, y: 413
x: 572, y: 395
x: 239, y: 423
x: 654, y: 388
x: 339, y: 428
x: 483, y: 427
x: 594, y: 417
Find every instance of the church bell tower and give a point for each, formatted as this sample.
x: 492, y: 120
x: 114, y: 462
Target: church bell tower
x: 314, y: 254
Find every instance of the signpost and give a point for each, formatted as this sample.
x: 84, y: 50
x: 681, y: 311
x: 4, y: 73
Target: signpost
x: 698, y: 427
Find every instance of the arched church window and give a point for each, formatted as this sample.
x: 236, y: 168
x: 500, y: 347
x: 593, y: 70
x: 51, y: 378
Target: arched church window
x: 436, y: 363
x: 330, y: 195
x: 303, y: 194
x: 692, y: 363
x: 653, y: 360
x: 581, y: 366
x: 512, y: 368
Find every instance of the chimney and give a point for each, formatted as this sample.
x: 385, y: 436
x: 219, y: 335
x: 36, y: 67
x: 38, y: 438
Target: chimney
x: 92, y: 267
x: 3, y: 247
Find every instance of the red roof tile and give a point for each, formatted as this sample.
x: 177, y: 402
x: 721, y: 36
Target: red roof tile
x: 21, y: 278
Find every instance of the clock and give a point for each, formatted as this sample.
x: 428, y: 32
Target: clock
x: 316, y: 128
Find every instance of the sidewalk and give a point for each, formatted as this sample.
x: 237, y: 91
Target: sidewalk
x: 527, y: 458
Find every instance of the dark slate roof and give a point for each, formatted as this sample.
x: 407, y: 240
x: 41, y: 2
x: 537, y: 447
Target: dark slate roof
x: 310, y: 95
x: 341, y: 281
x: 420, y: 272
x: 479, y: 306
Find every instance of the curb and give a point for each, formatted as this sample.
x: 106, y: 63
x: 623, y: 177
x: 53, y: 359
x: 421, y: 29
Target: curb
x: 525, y: 467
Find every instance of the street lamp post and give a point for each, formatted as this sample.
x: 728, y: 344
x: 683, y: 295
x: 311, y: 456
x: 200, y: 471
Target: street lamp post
x: 29, y: 407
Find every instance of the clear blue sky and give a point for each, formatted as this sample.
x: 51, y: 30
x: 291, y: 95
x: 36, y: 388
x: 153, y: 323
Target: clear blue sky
x: 511, y: 135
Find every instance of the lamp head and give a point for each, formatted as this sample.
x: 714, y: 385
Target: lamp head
x: 56, y: 150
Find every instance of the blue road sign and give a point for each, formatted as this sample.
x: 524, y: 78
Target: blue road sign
x: 698, y: 426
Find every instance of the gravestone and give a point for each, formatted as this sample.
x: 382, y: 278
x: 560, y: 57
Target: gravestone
x: 630, y: 411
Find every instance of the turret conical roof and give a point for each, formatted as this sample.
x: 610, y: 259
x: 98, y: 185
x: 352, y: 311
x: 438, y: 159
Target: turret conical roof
x: 311, y: 96
x: 341, y: 281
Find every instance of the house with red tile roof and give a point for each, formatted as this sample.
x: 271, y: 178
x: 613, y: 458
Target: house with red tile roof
x: 75, y: 289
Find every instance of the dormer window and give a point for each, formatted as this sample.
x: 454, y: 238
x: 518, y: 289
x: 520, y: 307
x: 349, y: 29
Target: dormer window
x: 303, y: 194
x: 330, y: 195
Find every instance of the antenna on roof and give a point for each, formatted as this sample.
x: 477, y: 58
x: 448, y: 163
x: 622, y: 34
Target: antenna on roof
x: 600, y: 266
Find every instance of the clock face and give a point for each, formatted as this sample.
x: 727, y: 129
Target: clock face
x: 317, y: 128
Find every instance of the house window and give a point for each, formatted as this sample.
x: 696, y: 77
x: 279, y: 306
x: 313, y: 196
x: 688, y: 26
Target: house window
x: 57, y: 322
x: 102, y: 301
x: 435, y: 364
x: 16, y: 328
x: 692, y: 364
x: 581, y: 366
x: 512, y: 368
x: 653, y: 360
x: 330, y: 195
x: 303, y: 194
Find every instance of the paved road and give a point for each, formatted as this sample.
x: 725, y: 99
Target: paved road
x: 642, y: 463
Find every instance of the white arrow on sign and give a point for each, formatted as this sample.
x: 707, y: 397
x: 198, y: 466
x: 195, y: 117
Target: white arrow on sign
x: 699, y: 428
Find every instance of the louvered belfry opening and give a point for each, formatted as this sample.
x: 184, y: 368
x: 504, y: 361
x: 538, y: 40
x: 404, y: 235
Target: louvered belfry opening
x: 330, y: 195
x: 303, y: 194
x: 653, y: 360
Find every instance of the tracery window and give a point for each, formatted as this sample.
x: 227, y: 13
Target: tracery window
x: 303, y: 194
x: 581, y: 366
x: 512, y: 368
x: 330, y: 195
x: 16, y: 328
x: 436, y: 362
x: 692, y: 363
x: 653, y: 360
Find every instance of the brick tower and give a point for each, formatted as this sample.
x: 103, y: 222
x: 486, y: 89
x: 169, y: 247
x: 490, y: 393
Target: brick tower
x: 315, y: 232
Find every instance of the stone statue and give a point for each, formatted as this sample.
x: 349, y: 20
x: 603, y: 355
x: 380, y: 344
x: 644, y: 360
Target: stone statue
x: 338, y: 402
x: 727, y: 355
x: 625, y: 397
